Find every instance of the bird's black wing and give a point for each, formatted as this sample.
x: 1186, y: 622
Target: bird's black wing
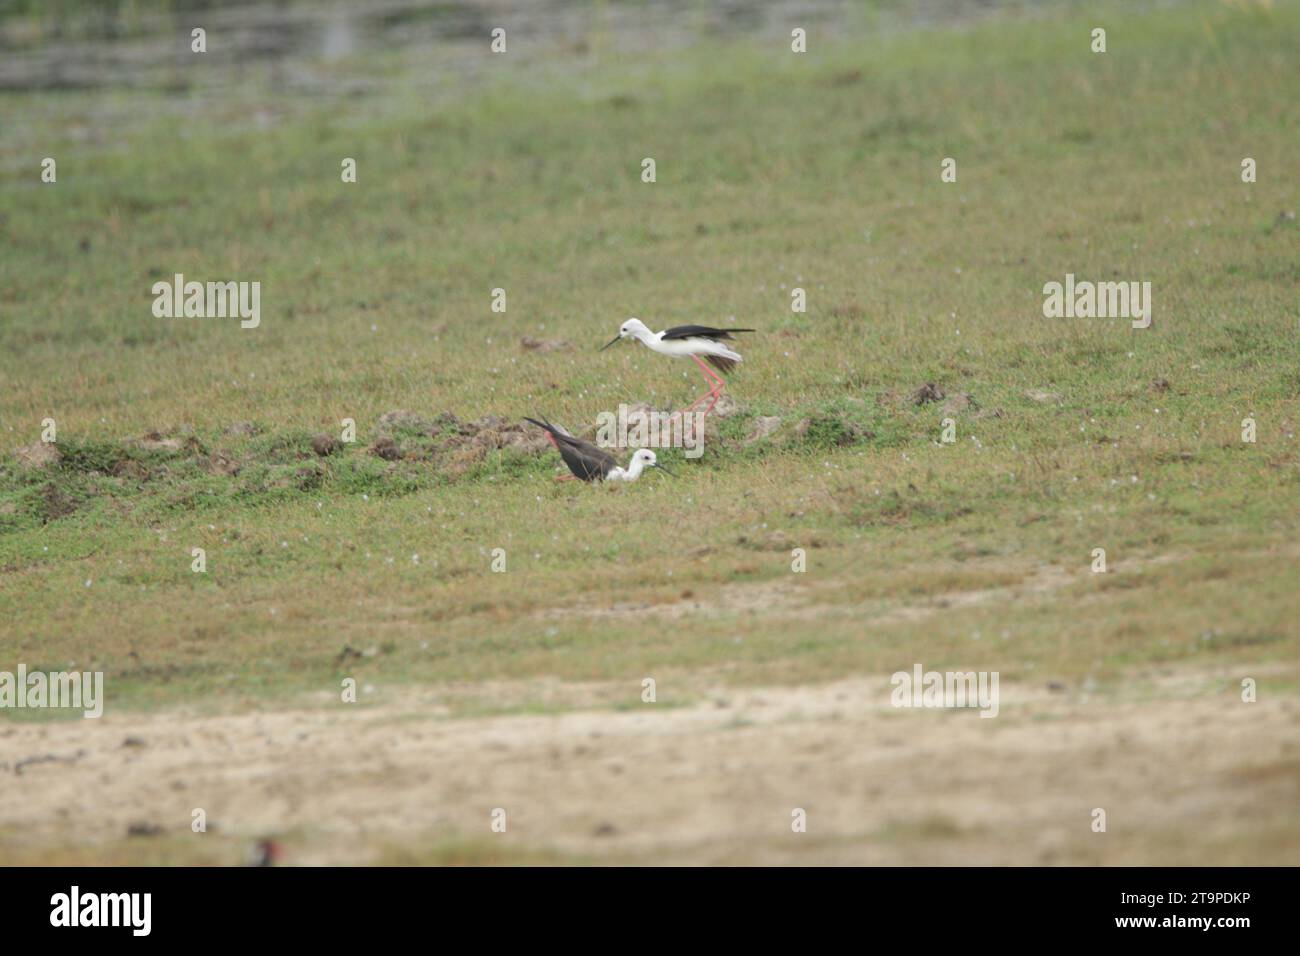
x: 700, y: 332
x: 584, y: 459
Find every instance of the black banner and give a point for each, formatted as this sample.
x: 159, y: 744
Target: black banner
x: 304, y: 905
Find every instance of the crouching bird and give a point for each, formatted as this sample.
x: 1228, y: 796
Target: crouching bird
x: 590, y: 463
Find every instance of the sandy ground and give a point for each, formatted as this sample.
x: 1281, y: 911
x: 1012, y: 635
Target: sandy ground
x: 1185, y: 771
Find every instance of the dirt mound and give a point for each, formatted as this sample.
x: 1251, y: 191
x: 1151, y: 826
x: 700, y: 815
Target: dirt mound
x: 497, y: 433
x: 929, y: 392
x: 448, y: 439
x: 325, y: 445
x: 167, y: 445
x: 543, y: 345
x: 40, y: 455
x: 764, y: 427
x: 384, y: 447
x: 400, y: 421
x: 960, y: 402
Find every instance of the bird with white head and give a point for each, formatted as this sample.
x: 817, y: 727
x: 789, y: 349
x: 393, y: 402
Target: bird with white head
x: 588, y: 462
x: 702, y: 343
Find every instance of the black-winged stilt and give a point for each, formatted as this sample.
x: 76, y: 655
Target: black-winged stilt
x: 692, y: 340
x: 590, y: 463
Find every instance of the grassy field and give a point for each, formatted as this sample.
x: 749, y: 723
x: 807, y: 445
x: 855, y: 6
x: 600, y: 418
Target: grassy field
x: 774, y: 170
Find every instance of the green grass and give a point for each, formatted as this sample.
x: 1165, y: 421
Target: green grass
x: 774, y: 170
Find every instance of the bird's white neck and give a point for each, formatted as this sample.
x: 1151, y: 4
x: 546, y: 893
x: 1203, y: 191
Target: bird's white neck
x: 631, y: 473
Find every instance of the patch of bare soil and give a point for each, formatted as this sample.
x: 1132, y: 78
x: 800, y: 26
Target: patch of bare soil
x: 528, y: 343
x: 788, y: 597
x: 1185, y: 771
x: 37, y: 456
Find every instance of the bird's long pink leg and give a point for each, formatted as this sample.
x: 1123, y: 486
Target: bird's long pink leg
x: 716, y: 395
x: 716, y: 385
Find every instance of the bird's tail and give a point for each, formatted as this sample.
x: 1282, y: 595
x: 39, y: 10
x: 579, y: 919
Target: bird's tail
x: 725, y: 362
x: 551, y: 431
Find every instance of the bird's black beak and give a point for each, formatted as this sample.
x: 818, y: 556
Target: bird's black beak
x: 663, y: 469
x: 608, y: 344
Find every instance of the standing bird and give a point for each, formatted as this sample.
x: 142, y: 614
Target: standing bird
x: 692, y: 340
x: 590, y: 463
